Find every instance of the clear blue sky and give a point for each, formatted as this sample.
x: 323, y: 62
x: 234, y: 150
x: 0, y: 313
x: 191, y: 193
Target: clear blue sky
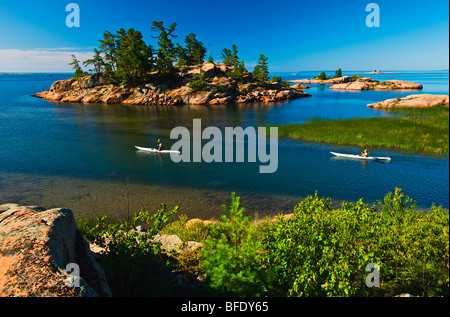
x: 296, y: 35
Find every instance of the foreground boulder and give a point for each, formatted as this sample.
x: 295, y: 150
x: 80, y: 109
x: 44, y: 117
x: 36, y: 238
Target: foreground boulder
x: 37, y: 246
x: 416, y: 101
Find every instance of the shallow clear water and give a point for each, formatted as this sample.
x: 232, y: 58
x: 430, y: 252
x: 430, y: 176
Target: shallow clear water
x: 83, y: 157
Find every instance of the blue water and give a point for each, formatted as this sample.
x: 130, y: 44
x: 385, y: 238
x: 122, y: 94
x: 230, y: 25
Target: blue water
x: 83, y: 157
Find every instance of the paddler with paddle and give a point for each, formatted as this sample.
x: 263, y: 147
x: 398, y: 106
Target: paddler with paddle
x: 160, y: 146
x: 365, y: 153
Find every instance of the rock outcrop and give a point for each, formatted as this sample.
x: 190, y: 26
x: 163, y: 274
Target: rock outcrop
x: 219, y: 89
x: 41, y: 252
x: 360, y: 83
x: 171, y: 243
x: 371, y: 84
x: 417, y: 101
x: 330, y: 81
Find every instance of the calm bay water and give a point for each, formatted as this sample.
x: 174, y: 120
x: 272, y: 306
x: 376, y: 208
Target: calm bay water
x: 82, y: 156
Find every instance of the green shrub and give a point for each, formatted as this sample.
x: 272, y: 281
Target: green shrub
x: 338, y: 73
x: 198, y: 82
x: 413, y: 247
x: 130, y: 256
x: 320, y: 251
x: 232, y: 257
x: 197, y: 231
x: 324, y: 252
x: 277, y: 79
x: 189, y: 262
x: 220, y: 88
x: 322, y: 76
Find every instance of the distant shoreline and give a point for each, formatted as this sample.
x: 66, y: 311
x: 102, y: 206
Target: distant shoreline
x: 378, y: 72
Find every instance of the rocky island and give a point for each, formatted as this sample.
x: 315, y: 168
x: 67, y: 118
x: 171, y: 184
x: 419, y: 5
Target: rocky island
x: 360, y: 83
x: 219, y: 88
x: 317, y: 81
x: 367, y: 83
x: 376, y: 71
x: 413, y: 101
x: 127, y: 70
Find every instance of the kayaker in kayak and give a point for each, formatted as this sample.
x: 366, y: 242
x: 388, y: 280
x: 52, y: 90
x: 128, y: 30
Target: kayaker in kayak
x: 160, y: 146
x: 365, y: 153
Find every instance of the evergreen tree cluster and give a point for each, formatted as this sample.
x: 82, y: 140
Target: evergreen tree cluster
x: 125, y: 58
x: 230, y: 58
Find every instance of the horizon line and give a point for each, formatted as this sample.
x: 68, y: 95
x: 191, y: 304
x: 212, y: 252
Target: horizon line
x: 301, y: 71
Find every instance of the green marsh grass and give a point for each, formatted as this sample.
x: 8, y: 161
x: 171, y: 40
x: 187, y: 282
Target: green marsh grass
x: 424, y: 130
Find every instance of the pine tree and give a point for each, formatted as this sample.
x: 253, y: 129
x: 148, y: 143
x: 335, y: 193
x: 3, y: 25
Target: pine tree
x: 108, y: 49
x: 226, y: 57
x: 261, y: 71
x: 234, y: 57
x: 79, y: 73
x: 134, y: 57
x: 96, y: 61
x: 166, y: 53
x: 231, y: 58
x: 210, y: 59
x: 195, y: 50
x: 183, y: 57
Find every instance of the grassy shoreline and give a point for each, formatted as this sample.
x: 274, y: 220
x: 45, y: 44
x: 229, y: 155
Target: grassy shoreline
x: 424, y: 130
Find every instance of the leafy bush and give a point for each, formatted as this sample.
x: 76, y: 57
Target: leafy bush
x: 130, y: 255
x: 324, y: 252
x: 413, y: 247
x: 319, y: 251
x: 189, y: 262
